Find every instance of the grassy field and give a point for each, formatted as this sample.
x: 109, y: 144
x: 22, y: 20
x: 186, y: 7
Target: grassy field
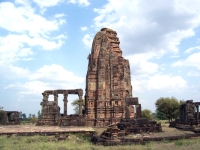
x: 77, y: 142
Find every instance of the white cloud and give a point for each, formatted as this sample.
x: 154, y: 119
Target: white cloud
x: 25, y: 52
x: 26, y: 30
x: 142, y: 28
x: 189, y: 50
x: 138, y: 84
x: 10, y: 72
x: 34, y: 87
x: 23, y: 2
x: 59, y: 15
x: 47, y: 3
x: 46, y: 78
x: 84, y: 28
x: 23, y: 19
x: 191, y: 61
x: 87, y: 40
x: 175, y: 56
x: 80, y: 2
x: 157, y: 81
x: 18, y: 72
x: 193, y: 73
x: 142, y: 67
x: 61, y: 36
x: 140, y: 64
x: 56, y: 73
x: 166, y: 82
x: 13, y: 47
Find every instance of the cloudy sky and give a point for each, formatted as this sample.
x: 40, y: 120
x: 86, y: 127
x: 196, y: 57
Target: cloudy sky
x: 44, y: 45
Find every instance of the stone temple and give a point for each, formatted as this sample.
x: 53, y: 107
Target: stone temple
x: 108, y: 96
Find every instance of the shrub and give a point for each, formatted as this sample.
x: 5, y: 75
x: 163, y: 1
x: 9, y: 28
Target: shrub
x: 33, y: 120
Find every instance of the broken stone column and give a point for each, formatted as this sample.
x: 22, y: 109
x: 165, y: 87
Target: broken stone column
x: 138, y: 111
x: 55, y: 97
x: 45, y: 96
x: 80, y: 94
x: 80, y: 105
x: 65, y: 103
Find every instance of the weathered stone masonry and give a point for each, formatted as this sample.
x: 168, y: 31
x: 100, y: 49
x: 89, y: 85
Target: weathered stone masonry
x: 108, y: 82
x: 108, y: 95
x: 51, y: 111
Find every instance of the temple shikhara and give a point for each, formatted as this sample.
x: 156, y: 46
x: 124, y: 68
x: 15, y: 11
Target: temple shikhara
x: 108, y: 82
x: 108, y: 92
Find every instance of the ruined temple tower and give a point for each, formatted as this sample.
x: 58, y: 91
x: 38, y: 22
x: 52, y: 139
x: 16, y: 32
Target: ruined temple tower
x: 108, y: 81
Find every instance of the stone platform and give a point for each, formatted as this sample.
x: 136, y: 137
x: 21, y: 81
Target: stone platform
x: 29, y: 130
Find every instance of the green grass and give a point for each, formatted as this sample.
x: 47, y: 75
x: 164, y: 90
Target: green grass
x: 76, y: 142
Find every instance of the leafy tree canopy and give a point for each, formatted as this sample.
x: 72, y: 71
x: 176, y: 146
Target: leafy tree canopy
x: 146, y: 113
x: 75, y: 103
x: 168, y: 106
x: 160, y: 115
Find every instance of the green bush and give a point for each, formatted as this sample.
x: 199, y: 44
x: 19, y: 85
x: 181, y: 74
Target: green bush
x: 33, y: 120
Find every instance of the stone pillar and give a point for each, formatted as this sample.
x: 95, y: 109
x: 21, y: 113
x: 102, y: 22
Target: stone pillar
x: 55, y: 97
x: 80, y: 94
x: 197, y: 112
x: 138, y: 111
x: 65, y: 103
x: 45, y: 96
x: 80, y: 105
x: 127, y: 112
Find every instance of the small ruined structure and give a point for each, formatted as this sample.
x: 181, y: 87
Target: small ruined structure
x: 189, y: 115
x: 50, y: 114
x: 117, y: 133
x: 108, y: 96
x: 139, y: 125
x: 9, y: 117
x: 131, y: 126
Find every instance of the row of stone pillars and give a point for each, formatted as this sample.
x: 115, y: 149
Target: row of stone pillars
x: 46, y: 96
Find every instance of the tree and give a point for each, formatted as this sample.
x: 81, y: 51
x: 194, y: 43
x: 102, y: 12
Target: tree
x: 75, y: 103
x: 1, y: 111
x: 146, y: 113
x: 160, y: 115
x: 39, y: 114
x: 20, y: 115
x: 24, y: 116
x: 168, y: 106
x: 29, y: 117
x: 33, y: 119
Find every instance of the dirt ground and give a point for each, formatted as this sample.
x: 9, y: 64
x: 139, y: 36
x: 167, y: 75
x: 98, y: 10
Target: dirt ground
x: 33, y: 128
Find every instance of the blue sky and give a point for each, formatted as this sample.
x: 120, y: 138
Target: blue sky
x: 44, y: 45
